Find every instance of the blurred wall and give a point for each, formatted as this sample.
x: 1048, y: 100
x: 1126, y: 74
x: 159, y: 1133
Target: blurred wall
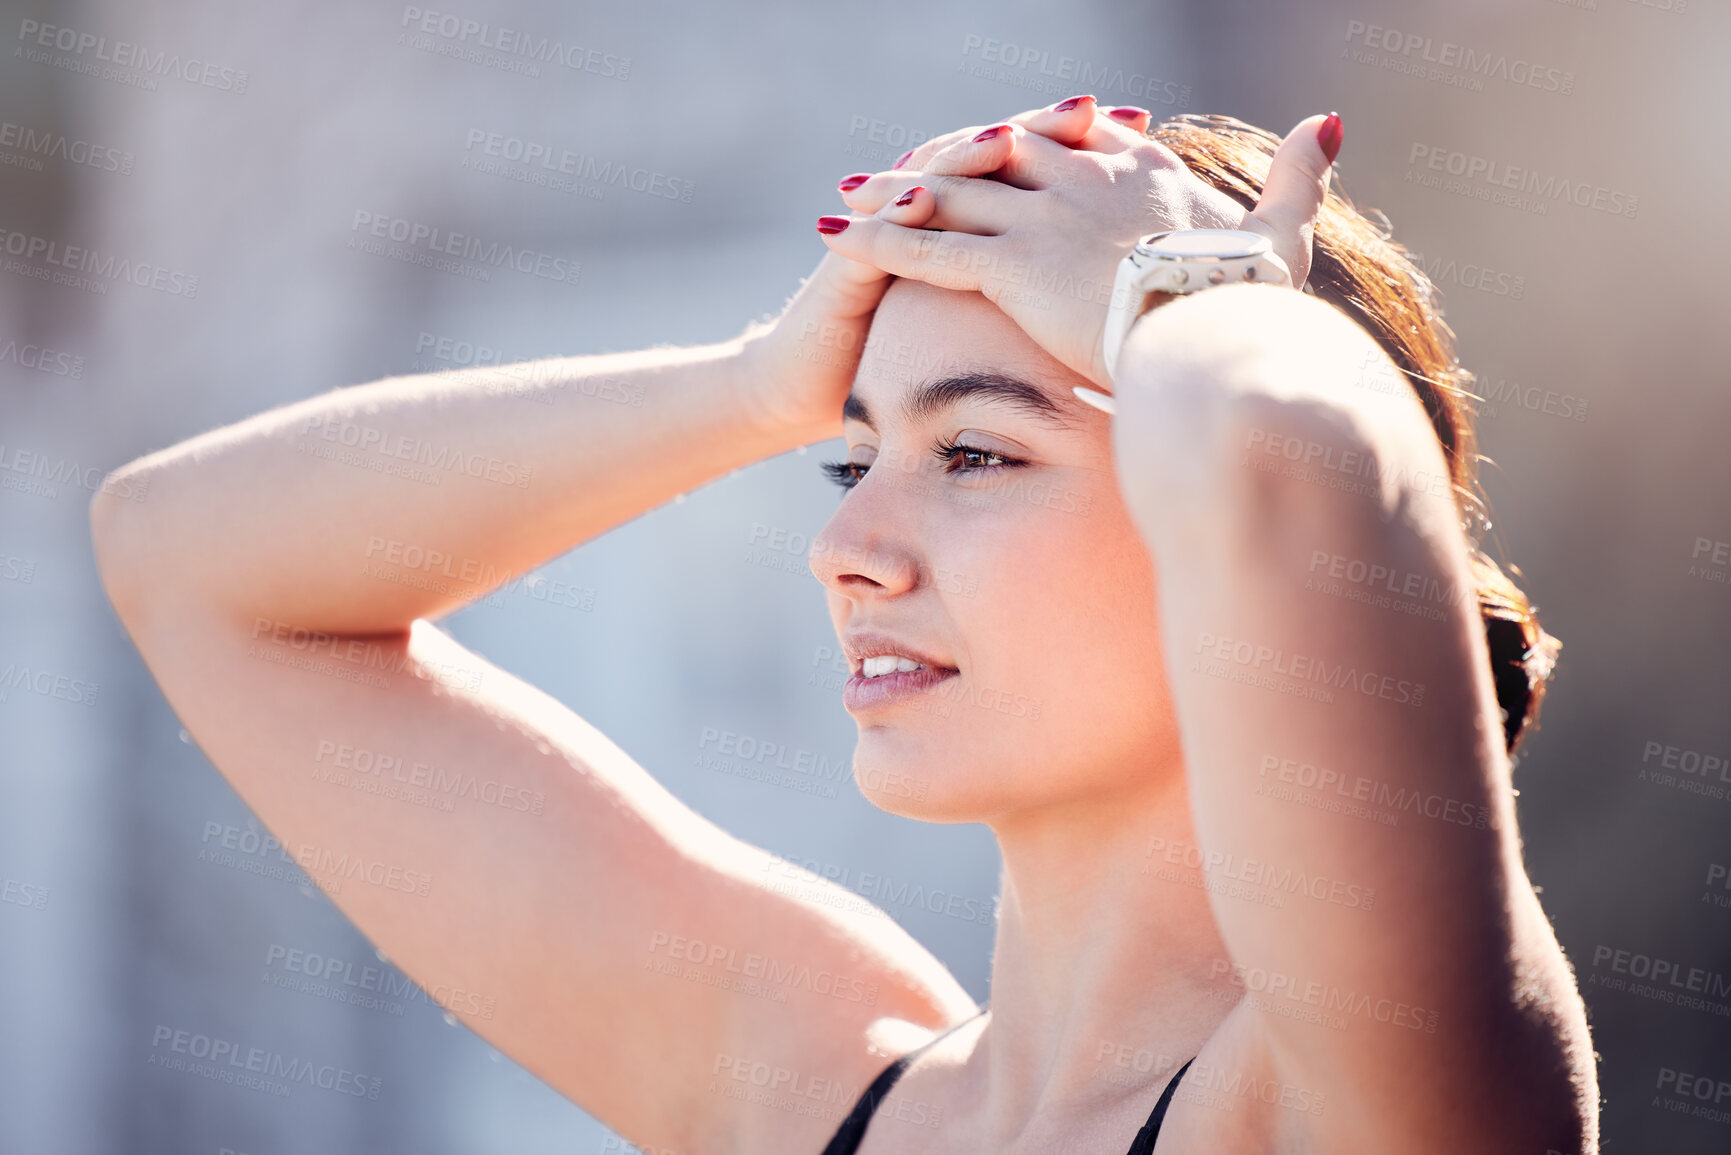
x: 1595, y: 320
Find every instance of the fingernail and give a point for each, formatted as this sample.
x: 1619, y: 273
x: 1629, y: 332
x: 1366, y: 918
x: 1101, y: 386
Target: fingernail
x: 1128, y: 112
x: 831, y: 225
x: 1067, y: 105
x: 1330, y: 135
x: 849, y: 183
x: 994, y: 131
x: 907, y: 198
x: 902, y: 159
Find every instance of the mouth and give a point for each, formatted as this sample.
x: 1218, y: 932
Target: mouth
x: 887, y: 673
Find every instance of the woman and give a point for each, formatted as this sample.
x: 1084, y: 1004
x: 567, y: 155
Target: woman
x: 1262, y: 886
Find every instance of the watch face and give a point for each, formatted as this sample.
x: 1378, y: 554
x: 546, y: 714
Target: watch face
x: 1221, y: 244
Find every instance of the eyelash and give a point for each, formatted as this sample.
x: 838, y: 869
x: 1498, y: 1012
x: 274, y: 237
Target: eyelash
x: 847, y: 474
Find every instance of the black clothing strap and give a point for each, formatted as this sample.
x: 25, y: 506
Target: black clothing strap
x: 853, y: 1128
x: 1144, y: 1144
x: 847, y: 1137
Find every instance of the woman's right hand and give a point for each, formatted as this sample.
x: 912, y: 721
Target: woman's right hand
x: 801, y: 366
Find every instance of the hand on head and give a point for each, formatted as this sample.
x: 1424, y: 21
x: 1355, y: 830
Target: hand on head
x: 1034, y: 212
x: 1037, y: 211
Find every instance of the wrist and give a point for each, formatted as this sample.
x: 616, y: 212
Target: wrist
x: 1182, y: 262
x: 1204, y: 331
x: 770, y: 391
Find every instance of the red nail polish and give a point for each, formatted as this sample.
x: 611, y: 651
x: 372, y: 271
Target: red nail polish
x: 994, y: 131
x: 907, y: 198
x: 1067, y: 105
x: 849, y: 183
x: 831, y: 225
x: 902, y: 159
x: 1128, y: 112
x: 1330, y: 135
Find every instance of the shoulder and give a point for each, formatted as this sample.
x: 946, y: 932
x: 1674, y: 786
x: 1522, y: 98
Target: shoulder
x: 793, y: 1095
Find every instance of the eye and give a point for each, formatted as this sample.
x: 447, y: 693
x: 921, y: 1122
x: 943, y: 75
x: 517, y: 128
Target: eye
x: 957, y: 456
x: 846, y: 474
x: 963, y: 458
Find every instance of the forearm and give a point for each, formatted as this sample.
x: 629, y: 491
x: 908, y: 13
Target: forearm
x: 1309, y: 550
x: 1210, y: 381
x: 1299, y: 680
x: 449, y: 484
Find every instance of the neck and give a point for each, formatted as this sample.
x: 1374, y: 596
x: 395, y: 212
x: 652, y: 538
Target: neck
x: 1105, y: 976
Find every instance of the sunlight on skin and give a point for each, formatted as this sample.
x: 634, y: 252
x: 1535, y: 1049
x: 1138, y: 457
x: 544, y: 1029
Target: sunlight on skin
x: 1064, y: 620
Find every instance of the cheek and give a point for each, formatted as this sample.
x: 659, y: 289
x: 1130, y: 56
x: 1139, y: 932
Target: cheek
x: 1065, y: 608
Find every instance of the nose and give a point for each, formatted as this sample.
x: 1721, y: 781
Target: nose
x: 863, y: 551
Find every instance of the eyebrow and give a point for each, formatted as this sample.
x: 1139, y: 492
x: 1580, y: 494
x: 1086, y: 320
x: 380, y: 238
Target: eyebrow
x: 944, y: 393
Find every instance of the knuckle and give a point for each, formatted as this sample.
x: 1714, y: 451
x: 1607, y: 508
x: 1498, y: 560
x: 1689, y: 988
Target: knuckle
x: 959, y: 158
x: 881, y: 243
x: 945, y: 185
x: 1156, y: 155
x: 935, y: 147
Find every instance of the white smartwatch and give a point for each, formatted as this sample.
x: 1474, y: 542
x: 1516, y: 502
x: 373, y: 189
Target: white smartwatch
x: 1180, y: 261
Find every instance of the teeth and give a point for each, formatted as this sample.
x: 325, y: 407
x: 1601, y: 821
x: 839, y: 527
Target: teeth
x: 887, y: 664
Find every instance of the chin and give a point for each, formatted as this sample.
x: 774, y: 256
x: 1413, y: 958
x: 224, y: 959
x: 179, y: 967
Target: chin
x: 976, y: 767
x: 912, y: 774
x: 932, y: 770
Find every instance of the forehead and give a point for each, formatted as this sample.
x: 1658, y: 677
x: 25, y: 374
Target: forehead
x: 922, y: 334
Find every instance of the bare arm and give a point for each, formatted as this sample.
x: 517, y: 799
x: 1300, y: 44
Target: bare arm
x: 1351, y: 745
x: 454, y: 482
x: 518, y: 865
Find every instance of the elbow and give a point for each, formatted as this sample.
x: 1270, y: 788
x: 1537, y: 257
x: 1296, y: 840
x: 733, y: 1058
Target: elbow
x: 120, y: 540
x: 1250, y: 398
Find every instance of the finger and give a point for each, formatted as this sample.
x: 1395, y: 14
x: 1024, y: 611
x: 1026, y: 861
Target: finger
x: 1112, y: 129
x: 970, y: 151
x: 849, y: 288
x: 987, y: 150
x: 1032, y: 162
x: 948, y: 260
x: 1125, y: 123
x: 911, y: 206
x: 962, y: 204
x: 1029, y: 161
x: 852, y: 287
x: 915, y: 157
x: 1066, y: 122
x: 1298, y: 178
x: 1039, y: 162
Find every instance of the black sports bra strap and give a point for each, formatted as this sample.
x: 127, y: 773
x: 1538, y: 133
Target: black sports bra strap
x: 853, y: 1128
x: 1144, y: 1144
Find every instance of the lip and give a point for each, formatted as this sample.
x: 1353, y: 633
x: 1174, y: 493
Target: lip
x: 863, y: 644
x: 862, y: 693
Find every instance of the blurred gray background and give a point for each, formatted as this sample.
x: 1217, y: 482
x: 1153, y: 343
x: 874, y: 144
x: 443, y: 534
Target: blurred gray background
x: 1599, y: 339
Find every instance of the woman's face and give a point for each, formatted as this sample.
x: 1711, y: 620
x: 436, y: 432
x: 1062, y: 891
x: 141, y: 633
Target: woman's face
x: 988, y: 539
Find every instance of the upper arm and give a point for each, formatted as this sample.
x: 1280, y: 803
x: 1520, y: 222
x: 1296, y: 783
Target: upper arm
x: 1343, y: 745
x: 531, y: 877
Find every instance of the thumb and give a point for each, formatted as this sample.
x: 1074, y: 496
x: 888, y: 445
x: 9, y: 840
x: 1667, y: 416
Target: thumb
x: 848, y: 290
x: 1297, y: 185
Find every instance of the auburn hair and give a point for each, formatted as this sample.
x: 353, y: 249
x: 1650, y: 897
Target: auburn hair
x: 1358, y: 267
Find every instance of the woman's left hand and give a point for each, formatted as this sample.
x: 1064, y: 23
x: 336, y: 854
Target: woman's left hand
x: 1044, y: 243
